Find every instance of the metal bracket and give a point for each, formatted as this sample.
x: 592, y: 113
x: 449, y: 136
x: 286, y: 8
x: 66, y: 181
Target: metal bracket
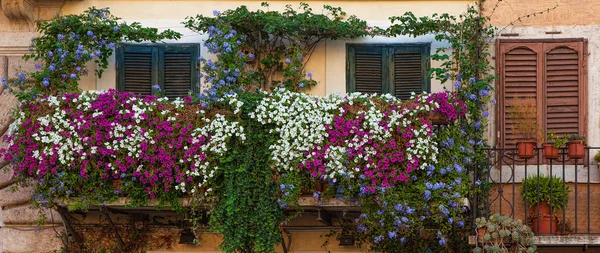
x: 323, y: 217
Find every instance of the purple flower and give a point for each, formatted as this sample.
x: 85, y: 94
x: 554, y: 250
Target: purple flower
x: 116, y: 28
x: 251, y: 56
x: 310, y: 75
x: 156, y: 87
x: 282, y: 186
x: 46, y: 82
x: 494, y: 101
x: 486, y: 114
x: 472, y: 96
x: 457, y: 84
x: 38, y: 66
x: 442, y: 241
x: 90, y: 33
x: 60, y: 36
x: 392, y: 235
x: 73, y: 76
x: 378, y: 239
x: 288, y: 61
x: 402, y: 240
x: 50, y: 54
x: 484, y: 93
x: 216, y: 12
x: 471, y: 80
x: 459, y: 76
x: 52, y: 67
x: 301, y: 85
x: 4, y: 83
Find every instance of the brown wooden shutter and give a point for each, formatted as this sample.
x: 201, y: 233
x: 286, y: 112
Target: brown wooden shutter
x: 519, y: 79
x: 408, y: 74
x: 563, y: 88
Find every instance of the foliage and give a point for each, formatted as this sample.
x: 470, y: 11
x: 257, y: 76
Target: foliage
x: 536, y: 189
x: 524, y: 114
x: 576, y: 137
x: 503, y: 234
x: 597, y: 157
x: 277, y: 42
x: 556, y: 141
x: 68, y: 42
x: 77, y: 144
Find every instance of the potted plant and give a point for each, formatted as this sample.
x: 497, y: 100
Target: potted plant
x: 597, y: 158
x: 503, y: 234
x: 575, y: 146
x: 545, y: 195
x: 525, y: 126
x: 552, y: 145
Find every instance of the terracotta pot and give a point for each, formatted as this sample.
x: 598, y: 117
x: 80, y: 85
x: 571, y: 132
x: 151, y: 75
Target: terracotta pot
x: 550, y: 152
x: 437, y: 119
x: 480, y: 234
x: 575, y: 149
x: 542, y: 219
x: 525, y: 149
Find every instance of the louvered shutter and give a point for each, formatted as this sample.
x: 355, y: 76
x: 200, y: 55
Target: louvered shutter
x: 553, y: 72
x: 137, y: 68
x: 179, y: 69
x: 171, y: 66
x: 563, y: 88
x: 410, y: 71
x: 395, y: 69
x: 366, y: 69
x: 519, y: 79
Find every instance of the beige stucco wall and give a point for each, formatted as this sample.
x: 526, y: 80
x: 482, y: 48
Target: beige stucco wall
x: 328, y: 63
x: 548, y: 12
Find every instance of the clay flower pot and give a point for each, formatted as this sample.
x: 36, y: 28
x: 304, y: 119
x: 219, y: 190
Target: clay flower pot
x: 436, y: 118
x: 550, y: 152
x: 575, y: 149
x: 542, y: 220
x: 525, y: 149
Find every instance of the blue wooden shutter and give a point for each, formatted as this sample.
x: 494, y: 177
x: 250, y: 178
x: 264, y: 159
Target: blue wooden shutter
x: 411, y: 65
x: 137, y: 68
x: 365, y: 69
x: 178, y: 64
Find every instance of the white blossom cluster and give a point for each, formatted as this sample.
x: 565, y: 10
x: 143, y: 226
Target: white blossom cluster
x: 300, y: 121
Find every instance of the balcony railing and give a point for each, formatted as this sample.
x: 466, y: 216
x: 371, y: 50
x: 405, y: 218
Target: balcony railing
x: 504, y: 171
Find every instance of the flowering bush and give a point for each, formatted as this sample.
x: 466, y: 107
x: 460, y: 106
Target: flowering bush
x: 383, y: 153
x: 76, y: 144
x: 68, y: 42
x: 276, y: 45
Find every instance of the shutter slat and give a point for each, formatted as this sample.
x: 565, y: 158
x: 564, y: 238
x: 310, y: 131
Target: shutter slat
x: 520, y: 76
x: 138, y: 72
x: 408, y: 74
x: 562, y: 90
x: 177, y: 73
x: 369, y: 73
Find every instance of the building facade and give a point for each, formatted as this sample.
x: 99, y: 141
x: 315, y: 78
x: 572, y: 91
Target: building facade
x: 328, y: 65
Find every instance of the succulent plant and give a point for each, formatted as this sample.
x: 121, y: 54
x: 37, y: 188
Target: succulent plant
x: 503, y: 234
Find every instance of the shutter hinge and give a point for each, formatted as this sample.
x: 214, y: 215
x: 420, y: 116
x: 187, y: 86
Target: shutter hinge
x: 498, y: 134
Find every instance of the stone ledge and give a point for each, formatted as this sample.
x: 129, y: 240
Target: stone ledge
x: 8, y: 197
x: 569, y: 240
x: 28, y: 215
x: 308, y: 203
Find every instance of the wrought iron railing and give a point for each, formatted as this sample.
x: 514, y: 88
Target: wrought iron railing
x: 499, y: 187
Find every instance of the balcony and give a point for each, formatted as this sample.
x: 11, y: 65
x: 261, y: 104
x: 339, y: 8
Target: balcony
x: 504, y: 172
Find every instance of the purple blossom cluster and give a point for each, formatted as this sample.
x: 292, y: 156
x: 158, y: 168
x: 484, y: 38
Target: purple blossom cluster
x: 111, y: 135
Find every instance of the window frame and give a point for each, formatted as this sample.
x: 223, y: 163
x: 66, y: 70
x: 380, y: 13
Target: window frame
x: 387, y: 51
x: 158, y: 50
x: 542, y: 120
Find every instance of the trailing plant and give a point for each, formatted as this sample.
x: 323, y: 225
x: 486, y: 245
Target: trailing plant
x: 278, y: 44
x: 597, y: 157
x: 68, y: 42
x: 551, y: 190
x: 503, y: 234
